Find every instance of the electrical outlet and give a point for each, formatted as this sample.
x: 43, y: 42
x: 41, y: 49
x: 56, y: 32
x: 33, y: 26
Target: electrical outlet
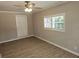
x: 75, y: 47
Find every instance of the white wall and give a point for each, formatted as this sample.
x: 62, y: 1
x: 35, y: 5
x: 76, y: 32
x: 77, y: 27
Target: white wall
x: 68, y: 39
x: 8, y: 28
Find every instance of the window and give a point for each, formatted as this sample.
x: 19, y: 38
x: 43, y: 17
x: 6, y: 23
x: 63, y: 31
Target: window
x: 54, y: 22
x: 47, y: 22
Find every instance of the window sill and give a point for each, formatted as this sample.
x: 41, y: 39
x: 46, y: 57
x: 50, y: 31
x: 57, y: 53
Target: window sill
x: 55, y: 30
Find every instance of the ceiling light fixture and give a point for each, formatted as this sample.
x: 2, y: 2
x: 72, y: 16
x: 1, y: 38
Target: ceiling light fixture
x: 28, y: 6
x: 28, y: 9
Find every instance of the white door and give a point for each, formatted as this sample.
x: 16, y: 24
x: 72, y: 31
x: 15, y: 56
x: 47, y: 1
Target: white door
x: 21, y: 23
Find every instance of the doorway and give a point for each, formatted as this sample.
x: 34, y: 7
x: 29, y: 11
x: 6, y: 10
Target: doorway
x: 21, y: 24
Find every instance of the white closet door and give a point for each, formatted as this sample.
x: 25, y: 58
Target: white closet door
x: 21, y: 23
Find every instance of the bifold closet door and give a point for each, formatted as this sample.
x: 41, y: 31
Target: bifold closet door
x: 21, y: 24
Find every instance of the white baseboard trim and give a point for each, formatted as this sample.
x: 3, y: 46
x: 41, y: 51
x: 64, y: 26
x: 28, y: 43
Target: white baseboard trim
x: 75, y: 53
x: 15, y: 39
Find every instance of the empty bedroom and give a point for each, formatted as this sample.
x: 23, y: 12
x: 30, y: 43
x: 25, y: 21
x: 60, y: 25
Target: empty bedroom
x: 39, y: 29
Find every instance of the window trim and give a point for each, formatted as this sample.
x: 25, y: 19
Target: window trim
x: 60, y: 30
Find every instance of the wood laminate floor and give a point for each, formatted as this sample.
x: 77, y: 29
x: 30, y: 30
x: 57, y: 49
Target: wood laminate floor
x: 32, y: 48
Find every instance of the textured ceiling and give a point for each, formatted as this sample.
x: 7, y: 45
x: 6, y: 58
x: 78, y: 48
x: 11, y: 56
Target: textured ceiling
x: 9, y: 5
